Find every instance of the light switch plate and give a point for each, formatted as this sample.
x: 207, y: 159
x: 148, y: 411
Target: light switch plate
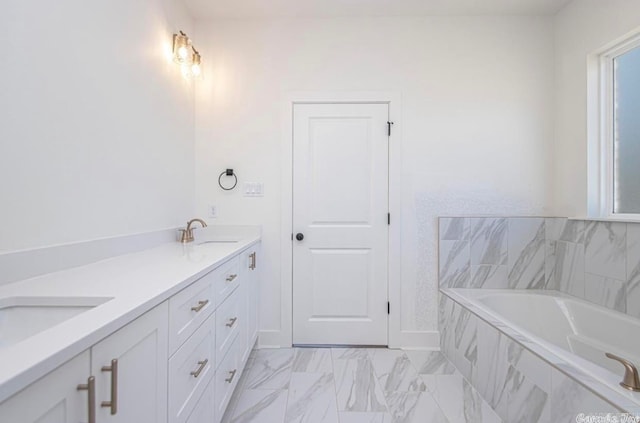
x: 253, y: 189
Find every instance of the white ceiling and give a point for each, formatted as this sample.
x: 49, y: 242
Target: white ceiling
x: 224, y: 9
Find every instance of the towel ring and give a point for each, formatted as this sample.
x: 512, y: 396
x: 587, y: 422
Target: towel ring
x: 228, y: 172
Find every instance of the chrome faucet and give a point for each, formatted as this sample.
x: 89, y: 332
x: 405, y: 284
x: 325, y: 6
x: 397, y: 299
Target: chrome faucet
x: 630, y: 381
x: 187, y: 234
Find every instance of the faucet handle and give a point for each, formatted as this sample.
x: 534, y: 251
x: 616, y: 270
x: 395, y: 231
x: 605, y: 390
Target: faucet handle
x: 631, y: 380
x: 184, y: 236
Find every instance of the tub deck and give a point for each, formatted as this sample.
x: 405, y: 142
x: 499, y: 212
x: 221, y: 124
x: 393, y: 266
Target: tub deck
x: 567, y: 333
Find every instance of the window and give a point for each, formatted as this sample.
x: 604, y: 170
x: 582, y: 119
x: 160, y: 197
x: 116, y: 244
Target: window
x: 619, y: 131
x: 626, y: 132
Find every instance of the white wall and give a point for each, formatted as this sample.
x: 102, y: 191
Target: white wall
x: 96, y: 125
x: 477, y: 123
x: 582, y: 27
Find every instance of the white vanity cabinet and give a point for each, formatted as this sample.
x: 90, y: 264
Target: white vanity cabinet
x: 130, y: 367
x: 190, y: 371
x: 177, y: 363
x: 129, y: 380
x: 54, y: 398
x: 250, y: 268
x: 205, y: 411
x: 233, y: 328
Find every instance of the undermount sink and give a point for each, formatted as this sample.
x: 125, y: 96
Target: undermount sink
x: 218, y: 241
x: 23, y: 317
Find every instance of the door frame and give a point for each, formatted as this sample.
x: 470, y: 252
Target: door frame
x: 284, y: 337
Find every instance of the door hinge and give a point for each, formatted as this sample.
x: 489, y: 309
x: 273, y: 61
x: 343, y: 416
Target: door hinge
x: 388, y: 307
x: 389, y: 123
x: 388, y: 218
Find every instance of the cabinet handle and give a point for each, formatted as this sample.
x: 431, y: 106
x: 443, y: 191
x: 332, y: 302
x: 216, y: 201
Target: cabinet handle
x: 202, y: 364
x: 252, y: 266
x: 232, y: 374
x: 231, y: 322
x: 113, y: 403
x: 200, y: 305
x: 230, y: 278
x: 90, y: 387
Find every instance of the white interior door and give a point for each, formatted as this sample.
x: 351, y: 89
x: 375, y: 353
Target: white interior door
x: 340, y: 206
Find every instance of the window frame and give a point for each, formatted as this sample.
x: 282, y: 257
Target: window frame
x: 606, y: 196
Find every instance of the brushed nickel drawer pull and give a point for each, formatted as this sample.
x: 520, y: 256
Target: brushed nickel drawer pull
x: 113, y: 403
x: 200, y: 305
x: 231, y: 322
x: 90, y: 387
x: 232, y: 374
x: 252, y: 266
x: 202, y: 364
x: 230, y: 278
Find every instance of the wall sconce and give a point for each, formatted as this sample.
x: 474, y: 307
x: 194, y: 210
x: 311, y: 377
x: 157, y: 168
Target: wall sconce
x: 181, y: 47
x: 186, y: 55
x: 195, y: 62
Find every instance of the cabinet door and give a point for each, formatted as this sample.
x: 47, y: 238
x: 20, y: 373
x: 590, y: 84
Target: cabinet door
x: 138, y: 385
x: 246, y: 273
x: 252, y: 287
x: 55, y: 398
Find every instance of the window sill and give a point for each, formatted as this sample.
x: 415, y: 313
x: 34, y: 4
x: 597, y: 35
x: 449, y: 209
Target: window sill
x: 633, y: 218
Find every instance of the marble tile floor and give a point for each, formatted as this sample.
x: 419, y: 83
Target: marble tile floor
x: 349, y: 385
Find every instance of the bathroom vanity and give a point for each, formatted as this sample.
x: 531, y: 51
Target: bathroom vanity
x: 157, y: 336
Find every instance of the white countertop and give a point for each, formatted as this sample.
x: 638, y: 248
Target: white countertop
x: 136, y: 282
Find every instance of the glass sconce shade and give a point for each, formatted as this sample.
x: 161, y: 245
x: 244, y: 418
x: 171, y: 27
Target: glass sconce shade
x: 181, y: 47
x: 195, y: 63
x: 185, y: 54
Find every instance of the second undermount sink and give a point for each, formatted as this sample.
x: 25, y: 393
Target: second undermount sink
x: 23, y: 317
x: 218, y: 241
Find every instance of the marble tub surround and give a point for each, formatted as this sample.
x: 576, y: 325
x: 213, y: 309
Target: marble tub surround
x: 519, y: 378
x: 632, y: 288
x: 355, y: 385
x: 492, y: 252
x: 594, y: 260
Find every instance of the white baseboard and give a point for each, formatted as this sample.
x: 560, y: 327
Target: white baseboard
x: 271, y: 339
x: 409, y: 340
x: 419, y: 340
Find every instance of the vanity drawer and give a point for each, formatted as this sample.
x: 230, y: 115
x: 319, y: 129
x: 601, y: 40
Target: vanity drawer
x: 189, y: 308
x: 205, y: 410
x: 226, y: 379
x: 190, y: 370
x: 226, y: 279
x: 229, y: 318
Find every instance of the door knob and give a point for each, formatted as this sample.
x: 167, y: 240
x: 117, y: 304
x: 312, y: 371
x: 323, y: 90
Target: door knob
x: 299, y: 236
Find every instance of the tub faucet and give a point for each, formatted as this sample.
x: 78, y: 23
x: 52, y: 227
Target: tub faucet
x: 630, y: 381
x: 187, y: 234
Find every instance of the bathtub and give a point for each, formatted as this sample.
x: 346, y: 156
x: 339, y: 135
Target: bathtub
x: 568, y: 333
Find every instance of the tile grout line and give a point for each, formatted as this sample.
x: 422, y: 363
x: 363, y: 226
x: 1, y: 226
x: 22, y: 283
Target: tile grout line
x: 377, y: 382
x: 335, y: 388
x: 286, y: 404
x: 426, y: 391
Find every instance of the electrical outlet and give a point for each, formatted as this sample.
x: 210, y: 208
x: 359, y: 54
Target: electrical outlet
x: 213, y: 211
